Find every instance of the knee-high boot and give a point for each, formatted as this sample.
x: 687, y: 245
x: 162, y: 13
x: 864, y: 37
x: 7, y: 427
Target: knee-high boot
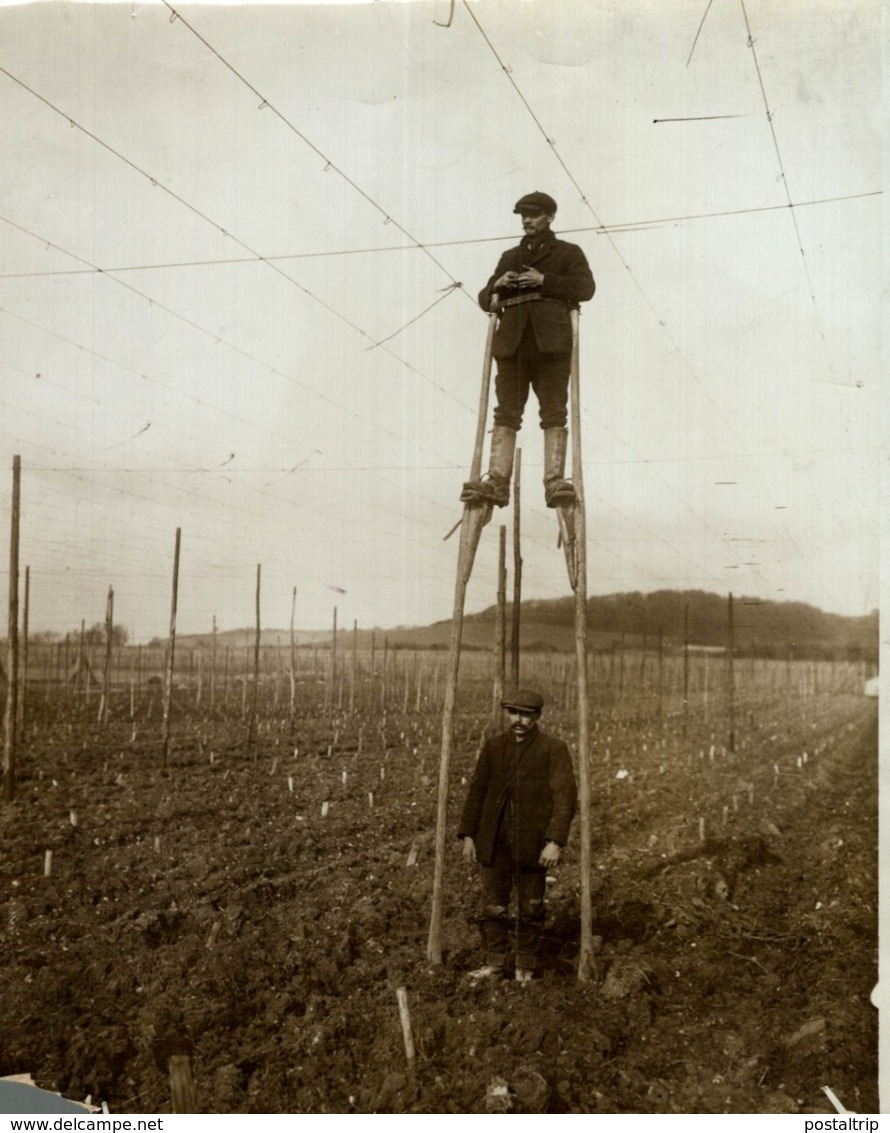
x: 557, y: 491
x: 495, y: 486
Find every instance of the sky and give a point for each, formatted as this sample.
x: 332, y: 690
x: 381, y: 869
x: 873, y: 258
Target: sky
x: 240, y: 249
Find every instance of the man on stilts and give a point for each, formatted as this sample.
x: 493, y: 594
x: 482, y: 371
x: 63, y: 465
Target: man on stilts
x: 534, y: 287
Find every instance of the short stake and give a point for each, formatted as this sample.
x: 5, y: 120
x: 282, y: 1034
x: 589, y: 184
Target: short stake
x: 405, y: 1017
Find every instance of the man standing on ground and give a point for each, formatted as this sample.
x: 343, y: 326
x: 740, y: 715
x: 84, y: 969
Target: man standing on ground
x: 534, y: 287
x: 515, y: 821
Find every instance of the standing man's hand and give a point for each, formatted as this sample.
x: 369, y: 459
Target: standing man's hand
x: 469, y: 849
x: 549, y: 855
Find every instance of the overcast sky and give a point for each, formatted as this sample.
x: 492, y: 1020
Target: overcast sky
x: 270, y: 191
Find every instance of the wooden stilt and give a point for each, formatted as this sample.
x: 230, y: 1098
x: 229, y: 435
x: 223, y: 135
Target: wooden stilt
x: 475, y: 518
x: 586, y: 963
x: 565, y: 517
x: 517, y: 572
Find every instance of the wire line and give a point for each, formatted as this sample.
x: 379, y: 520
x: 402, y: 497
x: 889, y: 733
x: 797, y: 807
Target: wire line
x: 600, y: 229
x: 214, y: 224
x: 784, y: 179
x: 329, y: 163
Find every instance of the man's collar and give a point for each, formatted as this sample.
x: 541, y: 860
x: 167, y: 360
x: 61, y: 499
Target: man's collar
x: 535, y: 242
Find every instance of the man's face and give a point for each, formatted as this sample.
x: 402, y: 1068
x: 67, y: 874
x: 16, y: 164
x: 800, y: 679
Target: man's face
x: 534, y: 223
x: 521, y: 721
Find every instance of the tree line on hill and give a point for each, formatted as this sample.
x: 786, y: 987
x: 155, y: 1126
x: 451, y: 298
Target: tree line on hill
x: 761, y: 628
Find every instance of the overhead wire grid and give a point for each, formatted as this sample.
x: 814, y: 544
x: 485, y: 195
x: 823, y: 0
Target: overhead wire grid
x: 428, y: 501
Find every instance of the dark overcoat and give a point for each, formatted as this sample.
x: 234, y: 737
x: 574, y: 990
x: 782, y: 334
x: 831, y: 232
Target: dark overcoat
x: 567, y: 282
x: 540, y: 783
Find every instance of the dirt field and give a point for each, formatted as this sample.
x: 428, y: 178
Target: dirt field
x: 254, y: 908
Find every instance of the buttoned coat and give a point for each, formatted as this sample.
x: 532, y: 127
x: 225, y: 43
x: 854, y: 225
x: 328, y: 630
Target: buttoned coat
x: 540, y: 783
x: 567, y: 282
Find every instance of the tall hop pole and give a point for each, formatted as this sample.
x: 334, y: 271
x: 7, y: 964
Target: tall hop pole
x: 12, y: 641
x: 171, y: 647
x: 500, y: 629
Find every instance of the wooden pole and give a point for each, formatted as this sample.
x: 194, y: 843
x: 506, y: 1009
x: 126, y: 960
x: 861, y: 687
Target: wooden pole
x: 213, y: 667
x: 474, y: 519
x: 586, y: 962
x: 12, y: 641
x: 251, y: 732
x: 23, y: 690
x: 517, y: 574
x: 353, y: 667
x: 293, y: 656
x: 333, y: 685
x: 730, y: 677
x: 500, y: 629
x: 106, y: 668
x: 685, y: 668
x: 385, y: 672
x: 81, y: 652
x: 171, y: 649
x: 407, y: 1034
x: 182, y: 1086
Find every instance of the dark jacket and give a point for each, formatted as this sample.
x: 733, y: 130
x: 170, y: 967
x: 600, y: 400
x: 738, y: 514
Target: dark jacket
x: 540, y: 783
x: 567, y: 282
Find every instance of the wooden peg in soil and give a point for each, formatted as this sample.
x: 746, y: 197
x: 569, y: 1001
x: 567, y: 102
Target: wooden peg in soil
x: 182, y: 1086
x: 405, y: 1017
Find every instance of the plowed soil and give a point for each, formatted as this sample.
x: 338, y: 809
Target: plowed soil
x: 257, y: 906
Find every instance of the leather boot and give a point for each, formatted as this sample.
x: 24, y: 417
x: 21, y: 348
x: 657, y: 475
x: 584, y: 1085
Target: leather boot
x: 558, y: 492
x: 494, y: 488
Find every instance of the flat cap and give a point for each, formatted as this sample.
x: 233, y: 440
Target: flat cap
x: 524, y: 700
x: 536, y: 202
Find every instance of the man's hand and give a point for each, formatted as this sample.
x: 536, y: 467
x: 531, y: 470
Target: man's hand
x: 508, y: 279
x: 549, y: 855
x: 469, y: 849
x: 528, y: 278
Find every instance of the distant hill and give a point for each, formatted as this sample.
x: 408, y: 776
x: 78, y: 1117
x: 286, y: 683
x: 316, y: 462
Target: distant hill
x: 767, y: 629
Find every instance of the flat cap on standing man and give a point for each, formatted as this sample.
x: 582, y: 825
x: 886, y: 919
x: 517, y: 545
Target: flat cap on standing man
x: 534, y: 287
